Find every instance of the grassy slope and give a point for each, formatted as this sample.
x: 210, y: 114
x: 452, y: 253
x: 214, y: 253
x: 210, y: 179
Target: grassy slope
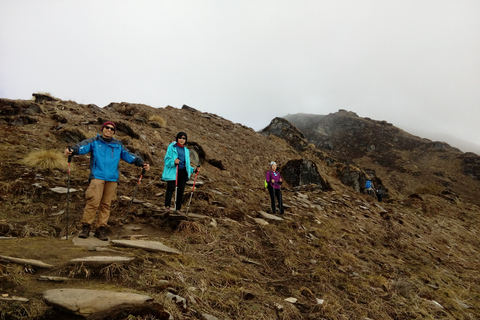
x: 363, y: 260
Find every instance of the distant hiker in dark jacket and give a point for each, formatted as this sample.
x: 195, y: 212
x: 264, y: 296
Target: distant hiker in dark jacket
x: 105, y: 155
x: 380, y: 193
x: 177, y: 169
x: 274, y: 181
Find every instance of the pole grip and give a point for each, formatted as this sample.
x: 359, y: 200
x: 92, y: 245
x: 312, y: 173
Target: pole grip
x: 70, y: 156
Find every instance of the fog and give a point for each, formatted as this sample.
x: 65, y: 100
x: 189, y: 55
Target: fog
x: 412, y: 63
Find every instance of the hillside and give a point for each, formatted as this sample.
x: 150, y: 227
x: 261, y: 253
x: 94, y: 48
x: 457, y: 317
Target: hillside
x: 336, y: 253
x: 403, y: 163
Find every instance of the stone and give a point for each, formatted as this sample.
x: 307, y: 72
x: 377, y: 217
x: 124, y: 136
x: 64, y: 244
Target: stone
x: 178, y: 300
x: 13, y: 298
x: 91, y: 241
x: 206, y: 316
x: 291, y: 300
x: 270, y: 216
x: 146, y: 245
x: 36, y: 263
x: 261, y: 222
x: 62, y: 190
x: 101, y: 260
x: 86, y: 302
x: 55, y: 279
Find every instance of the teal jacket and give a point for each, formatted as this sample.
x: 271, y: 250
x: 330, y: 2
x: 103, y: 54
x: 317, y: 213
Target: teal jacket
x: 105, y: 157
x: 169, y: 170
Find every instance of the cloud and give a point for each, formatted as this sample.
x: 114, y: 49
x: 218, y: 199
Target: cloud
x: 412, y: 63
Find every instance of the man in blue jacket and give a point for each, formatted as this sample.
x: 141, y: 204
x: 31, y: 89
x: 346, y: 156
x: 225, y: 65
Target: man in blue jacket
x: 105, y: 155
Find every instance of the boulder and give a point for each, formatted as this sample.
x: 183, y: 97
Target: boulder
x: 301, y: 172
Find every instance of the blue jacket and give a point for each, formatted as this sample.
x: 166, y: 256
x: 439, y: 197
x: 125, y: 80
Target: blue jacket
x: 169, y: 170
x: 105, y: 157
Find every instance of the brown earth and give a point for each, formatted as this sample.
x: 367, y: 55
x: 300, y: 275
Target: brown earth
x: 340, y: 253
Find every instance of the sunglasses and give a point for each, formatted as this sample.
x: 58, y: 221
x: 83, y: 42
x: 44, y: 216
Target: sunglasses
x: 110, y: 128
x: 183, y: 138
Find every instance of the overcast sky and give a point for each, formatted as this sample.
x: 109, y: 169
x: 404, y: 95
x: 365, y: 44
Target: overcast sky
x: 413, y: 63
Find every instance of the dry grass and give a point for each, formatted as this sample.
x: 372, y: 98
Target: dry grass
x: 433, y: 189
x: 362, y: 261
x: 158, y: 119
x: 34, y: 309
x: 45, y: 159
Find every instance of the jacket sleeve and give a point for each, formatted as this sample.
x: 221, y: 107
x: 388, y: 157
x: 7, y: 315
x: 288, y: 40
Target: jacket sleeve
x: 190, y: 169
x: 83, y: 147
x: 129, y: 157
x: 170, y: 157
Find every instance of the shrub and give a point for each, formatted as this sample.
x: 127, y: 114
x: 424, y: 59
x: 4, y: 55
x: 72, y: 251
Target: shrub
x: 45, y: 159
x: 158, y: 119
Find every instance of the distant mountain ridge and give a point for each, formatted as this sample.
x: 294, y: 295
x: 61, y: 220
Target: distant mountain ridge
x: 402, y: 161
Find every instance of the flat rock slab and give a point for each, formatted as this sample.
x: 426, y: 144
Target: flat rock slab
x: 270, y: 216
x: 36, y: 263
x: 55, y: 279
x: 91, y: 241
x: 101, y: 260
x: 197, y: 216
x: 261, y: 222
x: 13, y: 298
x: 146, y: 245
x: 63, y: 190
x: 86, y: 302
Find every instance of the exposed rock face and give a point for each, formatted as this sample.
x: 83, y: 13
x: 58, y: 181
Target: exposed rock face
x: 348, y: 136
x: 282, y: 128
x: 471, y: 165
x: 302, y: 172
x: 352, y: 177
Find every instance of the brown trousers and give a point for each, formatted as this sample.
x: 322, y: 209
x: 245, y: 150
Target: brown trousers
x: 99, y: 196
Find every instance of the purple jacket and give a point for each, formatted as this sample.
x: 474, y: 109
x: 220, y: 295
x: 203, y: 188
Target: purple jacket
x: 273, y: 176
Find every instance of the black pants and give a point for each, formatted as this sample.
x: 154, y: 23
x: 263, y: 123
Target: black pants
x: 182, y: 180
x: 275, y: 193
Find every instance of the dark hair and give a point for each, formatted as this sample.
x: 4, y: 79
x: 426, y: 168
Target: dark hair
x: 181, y: 134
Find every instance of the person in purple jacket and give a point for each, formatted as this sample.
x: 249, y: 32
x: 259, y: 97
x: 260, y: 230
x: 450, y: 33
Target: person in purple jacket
x: 274, y: 181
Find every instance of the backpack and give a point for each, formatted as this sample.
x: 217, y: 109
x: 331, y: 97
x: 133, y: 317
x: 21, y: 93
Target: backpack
x: 265, y: 183
x: 368, y: 184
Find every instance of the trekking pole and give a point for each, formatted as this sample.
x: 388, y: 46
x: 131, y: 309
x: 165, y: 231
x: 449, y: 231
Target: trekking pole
x: 273, y: 193
x: 176, y: 188
x: 133, y: 197
x: 280, y: 200
x: 68, y: 192
x: 191, y: 193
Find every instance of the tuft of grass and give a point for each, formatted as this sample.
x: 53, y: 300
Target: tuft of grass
x: 158, y: 119
x: 18, y: 310
x: 45, y: 159
x: 188, y: 227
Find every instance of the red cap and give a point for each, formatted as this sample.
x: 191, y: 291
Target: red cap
x: 111, y: 123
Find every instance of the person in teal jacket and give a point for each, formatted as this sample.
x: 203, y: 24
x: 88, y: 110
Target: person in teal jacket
x: 176, y: 158
x: 105, y: 155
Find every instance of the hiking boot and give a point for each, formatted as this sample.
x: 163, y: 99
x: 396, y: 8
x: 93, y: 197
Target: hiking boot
x: 180, y: 213
x: 100, y: 234
x: 85, y: 231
